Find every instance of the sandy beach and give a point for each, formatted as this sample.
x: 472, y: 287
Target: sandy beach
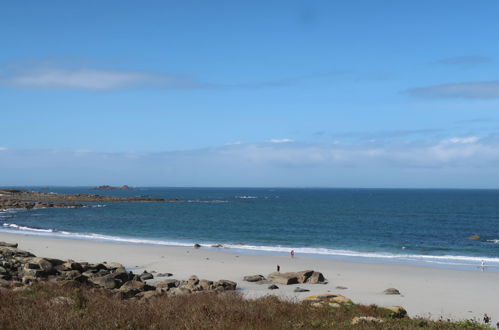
x: 429, y: 292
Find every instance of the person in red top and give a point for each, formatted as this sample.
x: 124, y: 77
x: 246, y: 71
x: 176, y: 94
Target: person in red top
x: 292, y: 253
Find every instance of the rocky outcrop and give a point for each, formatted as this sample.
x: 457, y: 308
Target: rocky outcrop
x: 20, y: 268
x: 306, y: 276
x: 24, y: 199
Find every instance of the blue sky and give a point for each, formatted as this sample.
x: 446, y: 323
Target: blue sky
x: 260, y: 93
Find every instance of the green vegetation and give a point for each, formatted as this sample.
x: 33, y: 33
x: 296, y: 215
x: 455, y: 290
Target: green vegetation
x: 49, y: 306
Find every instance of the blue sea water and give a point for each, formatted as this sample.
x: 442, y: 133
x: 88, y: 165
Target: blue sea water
x: 415, y: 226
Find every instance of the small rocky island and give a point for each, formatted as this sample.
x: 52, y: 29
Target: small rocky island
x: 107, y: 187
x: 25, y: 199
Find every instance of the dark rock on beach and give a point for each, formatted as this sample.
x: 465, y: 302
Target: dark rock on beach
x: 254, y: 278
x: 391, y: 291
x: 164, y: 275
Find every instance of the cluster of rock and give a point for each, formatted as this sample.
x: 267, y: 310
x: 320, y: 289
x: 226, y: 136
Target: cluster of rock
x: 304, y: 277
x: 19, y: 268
x: 24, y: 199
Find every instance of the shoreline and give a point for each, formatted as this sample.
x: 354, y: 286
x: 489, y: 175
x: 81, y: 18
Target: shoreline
x: 425, y: 291
x: 455, y: 262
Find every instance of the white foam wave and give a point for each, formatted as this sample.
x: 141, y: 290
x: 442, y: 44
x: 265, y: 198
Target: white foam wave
x: 495, y: 241
x: 13, y: 225
x: 450, y: 260
x: 246, y: 197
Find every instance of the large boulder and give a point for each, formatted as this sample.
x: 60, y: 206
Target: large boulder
x: 391, y: 291
x: 315, y: 278
x: 306, y: 276
x: 254, y: 278
x: 205, y: 285
x: 44, y: 265
x: 131, y: 288
x: 283, y: 278
x: 106, y: 282
x: 167, y: 284
x: 397, y: 312
x: 146, y: 276
x: 10, y: 252
x: 12, y: 245
x: 225, y: 285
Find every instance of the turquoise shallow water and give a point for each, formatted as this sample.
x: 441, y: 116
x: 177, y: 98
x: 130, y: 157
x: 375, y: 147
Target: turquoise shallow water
x: 428, y: 227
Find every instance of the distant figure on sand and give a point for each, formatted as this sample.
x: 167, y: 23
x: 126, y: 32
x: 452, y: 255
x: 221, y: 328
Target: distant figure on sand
x: 482, y: 266
x: 278, y: 268
x: 292, y: 253
x: 486, y: 318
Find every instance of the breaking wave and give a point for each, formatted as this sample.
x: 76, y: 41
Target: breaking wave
x: 449, y: 260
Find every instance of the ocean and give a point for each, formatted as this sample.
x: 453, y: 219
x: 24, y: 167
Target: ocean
x: 428, y: 227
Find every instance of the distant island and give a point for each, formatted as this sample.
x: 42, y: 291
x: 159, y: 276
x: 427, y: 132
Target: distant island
x: 107, y: 187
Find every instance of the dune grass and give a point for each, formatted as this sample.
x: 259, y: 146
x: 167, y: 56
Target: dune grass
x: 49, y: 306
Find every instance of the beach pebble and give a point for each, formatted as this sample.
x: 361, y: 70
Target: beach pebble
x: 273, y: 287
x: 298, y: 289
x: 341, y: 287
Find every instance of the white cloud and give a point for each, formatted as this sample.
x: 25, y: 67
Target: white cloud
x: 3, y: 148
x: 280, y: 140
x: 461, y: 160
x: 461, y: 140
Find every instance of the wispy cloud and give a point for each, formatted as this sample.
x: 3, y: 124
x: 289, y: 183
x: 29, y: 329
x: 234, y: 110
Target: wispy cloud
x: 464, y: 61
x: 91, y: 79
x: 3, y: 148
x: 464, y: 90
x: 94, y: 75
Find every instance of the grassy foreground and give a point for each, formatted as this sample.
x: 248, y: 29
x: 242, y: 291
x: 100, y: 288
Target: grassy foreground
x: 49, y: 306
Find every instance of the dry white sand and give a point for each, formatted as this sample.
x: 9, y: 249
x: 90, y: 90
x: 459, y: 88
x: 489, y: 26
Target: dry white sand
x: 425, y: 291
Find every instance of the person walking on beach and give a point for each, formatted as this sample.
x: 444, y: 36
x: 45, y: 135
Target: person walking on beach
x: 482, y: 266
x: 278, y: 268
x: 292, y: 253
